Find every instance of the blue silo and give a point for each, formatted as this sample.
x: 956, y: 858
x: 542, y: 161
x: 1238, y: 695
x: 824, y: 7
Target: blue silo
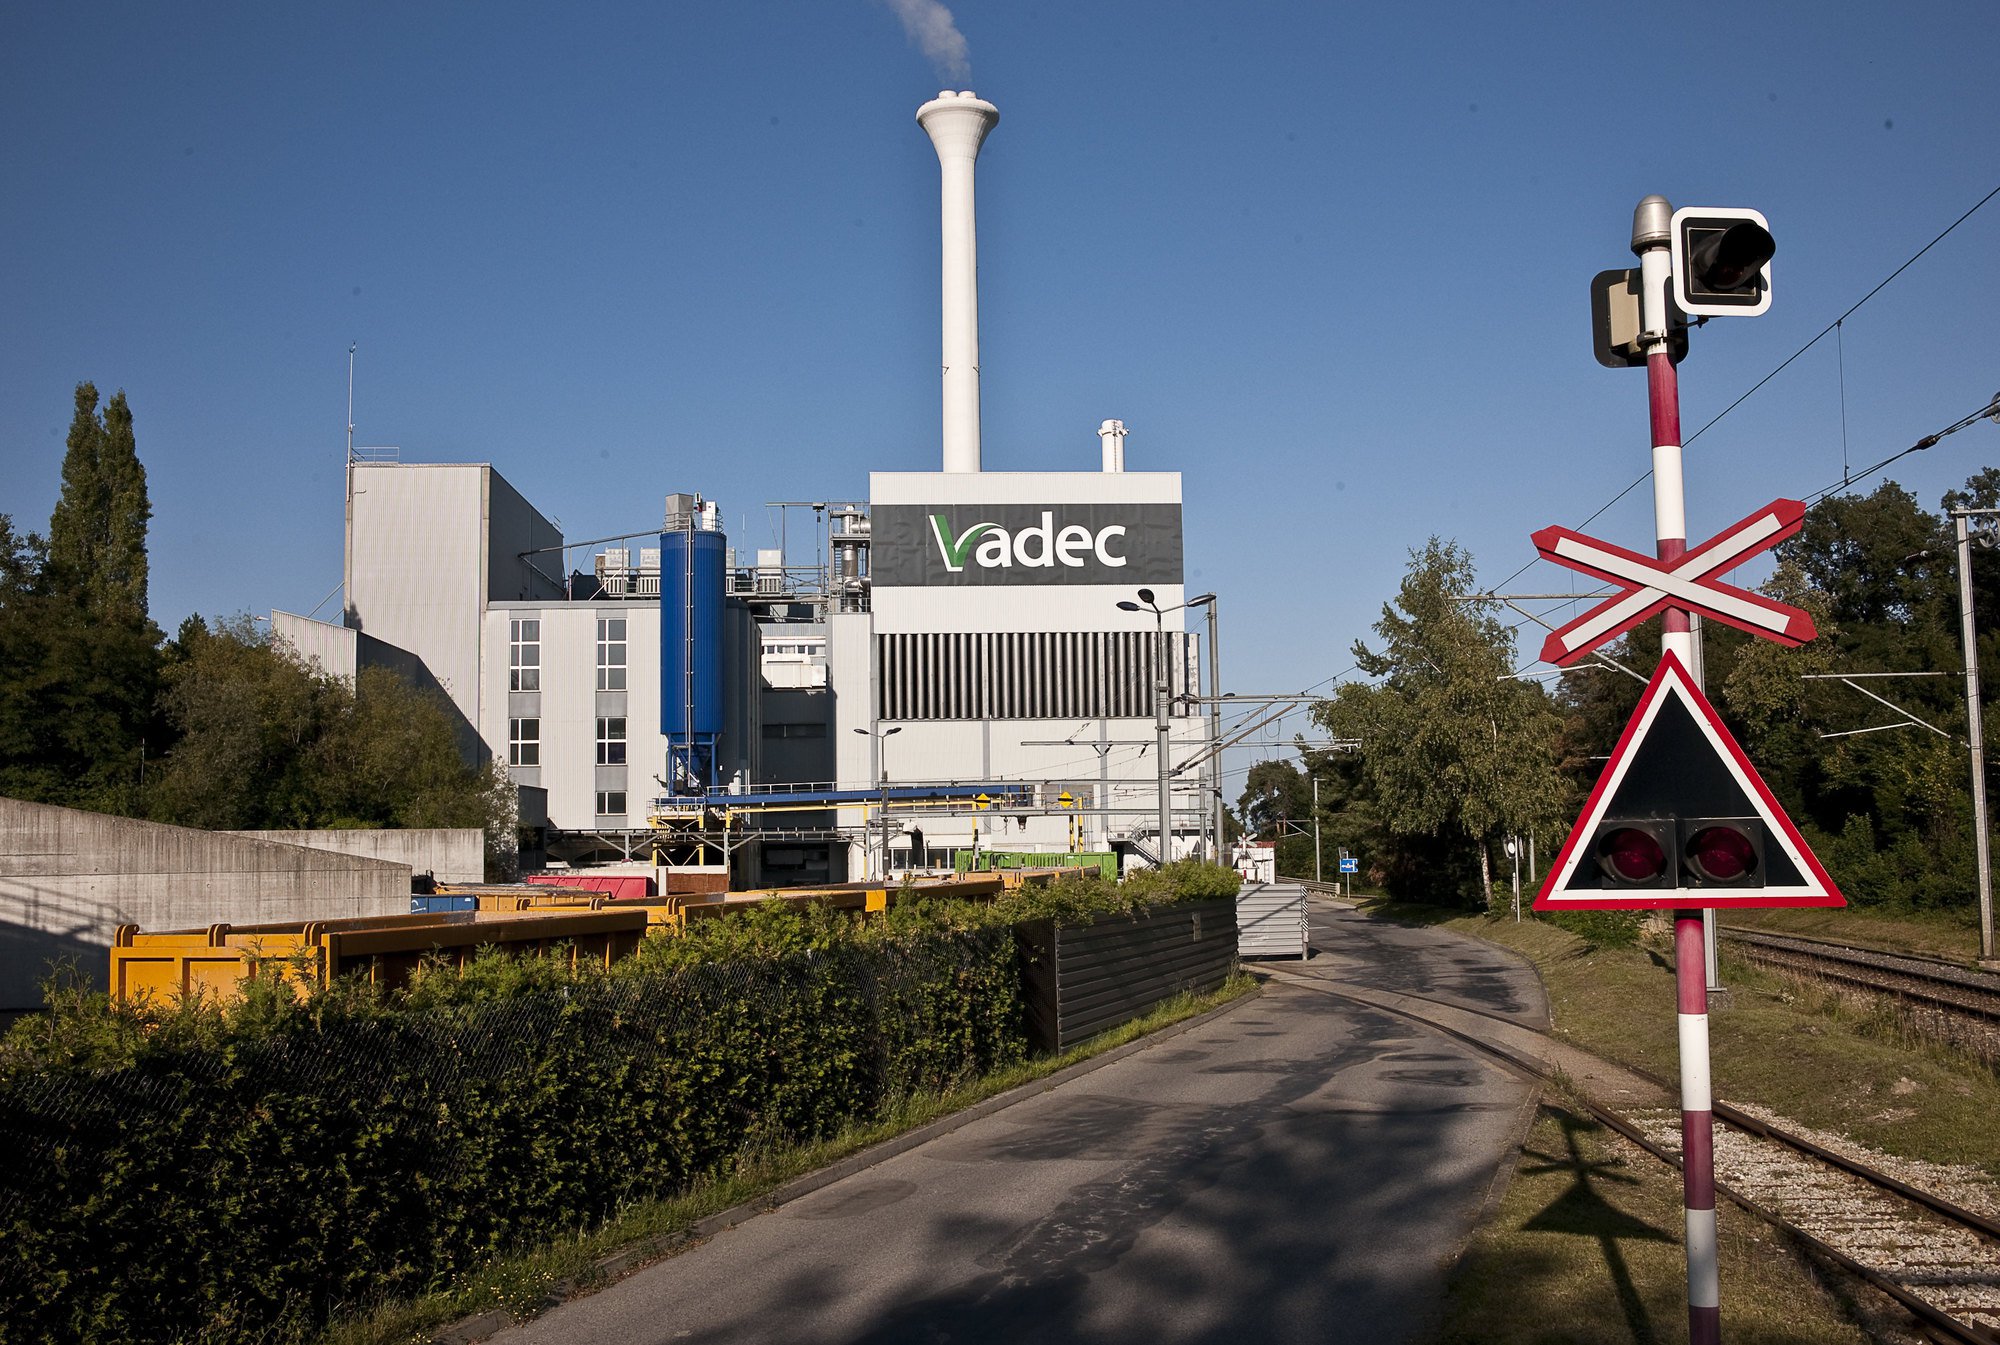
x: 692, y: 572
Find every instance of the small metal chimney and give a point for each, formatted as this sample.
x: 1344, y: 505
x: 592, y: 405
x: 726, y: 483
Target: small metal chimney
x: 957, y: 124
x: 1112, y: 433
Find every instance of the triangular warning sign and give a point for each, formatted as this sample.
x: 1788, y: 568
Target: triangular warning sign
x: 1677, y: 761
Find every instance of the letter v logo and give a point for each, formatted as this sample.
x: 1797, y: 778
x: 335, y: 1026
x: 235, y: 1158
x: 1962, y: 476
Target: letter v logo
x: 955, y: 550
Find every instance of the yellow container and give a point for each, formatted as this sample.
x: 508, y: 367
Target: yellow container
x: 384, y: 950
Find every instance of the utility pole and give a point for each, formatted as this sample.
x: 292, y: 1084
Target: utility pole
x: 1975, y: 727
x: 1319, y: 875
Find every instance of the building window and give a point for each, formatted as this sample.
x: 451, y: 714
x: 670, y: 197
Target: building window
x: 816, y: 729
x: 524, y: 742
x: 611, y: 803
x: 611, y: 743
x: 524, y: 655
x: 610, y: 654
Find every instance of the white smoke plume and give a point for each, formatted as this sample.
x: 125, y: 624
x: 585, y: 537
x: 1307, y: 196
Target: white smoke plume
x: 930, y: 25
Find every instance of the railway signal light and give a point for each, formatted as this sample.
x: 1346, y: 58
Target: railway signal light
x: 1667, y: 852
x: 1721, y: 261
x: 1635, y: 851
x: 1722, y: 851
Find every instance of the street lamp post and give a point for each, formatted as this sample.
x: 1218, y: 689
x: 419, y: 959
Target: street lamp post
x: 1214, y: 729
x: 881, y: 737
x: 1161, y: 690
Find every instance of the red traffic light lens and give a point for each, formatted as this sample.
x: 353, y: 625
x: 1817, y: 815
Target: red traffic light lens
x: 1721, y: 854
x: 1629, y: 855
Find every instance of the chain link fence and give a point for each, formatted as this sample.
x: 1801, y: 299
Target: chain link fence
x: 257, y: 1185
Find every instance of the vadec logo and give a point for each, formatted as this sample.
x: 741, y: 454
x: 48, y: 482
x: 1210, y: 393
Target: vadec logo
x: 992, y: 547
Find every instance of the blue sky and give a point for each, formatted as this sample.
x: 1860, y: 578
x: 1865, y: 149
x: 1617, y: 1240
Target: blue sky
x: 1328, y: 261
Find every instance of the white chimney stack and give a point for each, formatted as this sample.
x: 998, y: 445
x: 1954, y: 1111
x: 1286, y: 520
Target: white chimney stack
x: 957, y: 124
x: 1112, y: 432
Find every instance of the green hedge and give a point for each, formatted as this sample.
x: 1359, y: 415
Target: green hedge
x: 252, y: 1172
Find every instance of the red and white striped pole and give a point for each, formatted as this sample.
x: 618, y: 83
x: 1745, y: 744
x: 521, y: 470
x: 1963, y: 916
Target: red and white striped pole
x: 1651, y: 236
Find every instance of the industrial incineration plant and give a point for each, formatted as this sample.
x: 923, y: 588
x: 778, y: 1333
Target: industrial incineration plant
x: 972, y: 669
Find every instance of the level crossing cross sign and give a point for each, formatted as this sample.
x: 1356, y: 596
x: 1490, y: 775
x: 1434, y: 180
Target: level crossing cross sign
x: 1649, y: 585
x: 1681, y: 819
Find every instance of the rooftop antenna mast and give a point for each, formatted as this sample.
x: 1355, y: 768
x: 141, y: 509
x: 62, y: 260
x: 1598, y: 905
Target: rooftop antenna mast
x: 347, y: 548
x: 351, y: 401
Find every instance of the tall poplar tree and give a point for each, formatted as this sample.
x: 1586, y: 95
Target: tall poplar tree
x: 97, y: 535
x: 84, y: 719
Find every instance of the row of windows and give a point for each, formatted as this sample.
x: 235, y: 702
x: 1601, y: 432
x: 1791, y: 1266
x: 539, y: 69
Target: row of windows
x: 1031, y: 674
x: 524, y: 653
x: 524, y: 741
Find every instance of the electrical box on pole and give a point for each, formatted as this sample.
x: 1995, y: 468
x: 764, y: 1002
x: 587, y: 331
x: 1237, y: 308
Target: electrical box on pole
x: 1615, y: 323
x: 1721, y: 261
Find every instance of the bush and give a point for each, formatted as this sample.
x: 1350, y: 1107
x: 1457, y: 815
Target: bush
x: 251, y: 1171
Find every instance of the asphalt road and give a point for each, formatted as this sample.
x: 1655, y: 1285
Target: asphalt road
x: 1298, y: 1169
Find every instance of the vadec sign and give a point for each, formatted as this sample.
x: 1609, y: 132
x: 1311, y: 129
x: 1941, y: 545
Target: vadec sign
x: 1025, y: 544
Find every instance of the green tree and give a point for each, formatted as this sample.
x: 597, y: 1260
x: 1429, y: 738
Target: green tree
x: 1274, y: 794
x: 1277, y: 806
x: 269, y: 741
x: 1453, y: 746
x: 81, y: 654
x: 249, y: 721
x: 97, y: 535
x: 27, y: 767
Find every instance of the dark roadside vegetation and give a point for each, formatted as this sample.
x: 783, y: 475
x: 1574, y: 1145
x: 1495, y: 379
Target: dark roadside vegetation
x: 372, y: 1163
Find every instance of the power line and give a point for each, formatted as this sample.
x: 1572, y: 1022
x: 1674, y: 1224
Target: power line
x: 1843, y: 317
x: 1832, y: 326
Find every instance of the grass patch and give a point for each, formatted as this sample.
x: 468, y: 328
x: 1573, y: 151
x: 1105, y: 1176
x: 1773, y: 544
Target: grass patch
x: 1586, y: 1248
x: 526, y: 1284
x: 1808, y: 1055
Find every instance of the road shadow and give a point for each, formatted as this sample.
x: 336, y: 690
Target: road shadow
x: 1304, y: 1211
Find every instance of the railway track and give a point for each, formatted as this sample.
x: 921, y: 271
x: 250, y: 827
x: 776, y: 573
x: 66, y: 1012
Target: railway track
x: 1935, y: 998
x: 1926, y: 1237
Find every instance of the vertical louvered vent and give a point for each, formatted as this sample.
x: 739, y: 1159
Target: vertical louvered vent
x: 1028, y: 674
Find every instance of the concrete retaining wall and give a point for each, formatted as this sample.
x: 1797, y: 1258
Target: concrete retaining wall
x: 69, y: 878
x: 449, y: 854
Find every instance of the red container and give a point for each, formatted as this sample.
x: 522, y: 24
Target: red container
x: 617, y: 886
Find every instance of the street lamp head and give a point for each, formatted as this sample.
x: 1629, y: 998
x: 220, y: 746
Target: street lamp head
x: 890, y: 733
x: 862, y: 732
x: 1146, y: 595
x: 1201, y: 601
x: 1129, y: 607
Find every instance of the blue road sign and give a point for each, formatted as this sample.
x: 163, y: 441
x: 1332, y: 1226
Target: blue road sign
x: 1350, y: 866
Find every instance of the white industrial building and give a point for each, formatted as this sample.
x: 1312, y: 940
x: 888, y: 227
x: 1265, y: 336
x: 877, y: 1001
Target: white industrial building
x: 961, y: 652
